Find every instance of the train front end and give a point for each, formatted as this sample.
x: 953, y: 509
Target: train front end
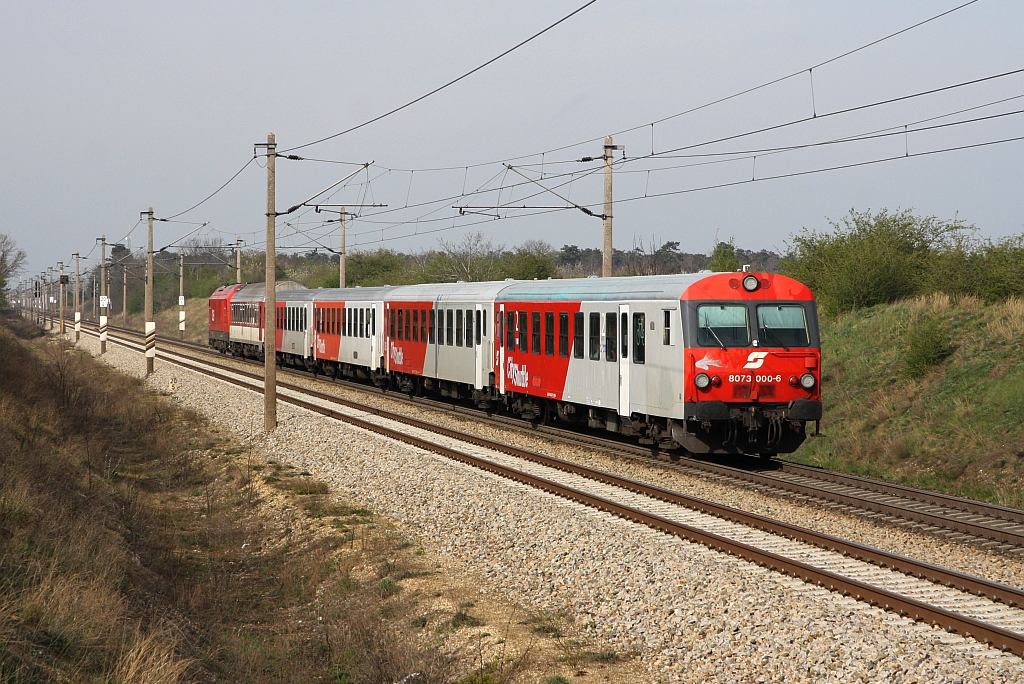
x: 752, y: 366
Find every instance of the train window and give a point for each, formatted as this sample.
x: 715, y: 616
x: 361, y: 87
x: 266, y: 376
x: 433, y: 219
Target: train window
x: 499, y: 330
x: 408, y: 323
x: 373, y: 321
x: 524, y: 333
x: 483, y: 321
x: 595, y: 336
x: 423, y: 325
x: 563, y: 335
x: 391, y: 323
x: 362, y: 322
x: 335, y: 321
x: 625, y: 336
x: 577, y: 335
x: 510, y: 330
x: 401, y: 321
x: 782, y: 325
x: 469, y: 327
x: 610, y: 337
x: 666, y: 335
x: 433, y: 324
x: 536, y: 332
x: 549, y: 333
x: 639, y: 337
x: 415, y: 325
x: 479, y: 321
x: 448, y: 327
x: 303, y: 318
x: 458, y: 327
x: 722, y: 325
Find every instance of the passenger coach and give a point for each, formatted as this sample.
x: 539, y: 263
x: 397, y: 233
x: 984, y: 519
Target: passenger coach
x: 711, y: 362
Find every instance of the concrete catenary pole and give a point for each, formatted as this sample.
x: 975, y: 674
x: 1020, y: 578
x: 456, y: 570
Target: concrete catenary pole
x: 341, y: 252
x: 181, y: 294
x: 50, y: 299
x: 61, y: 288
x: 124, y: 295
x: 103, y: 294
x: 238, y: 258
x: 78, y: 296
x: 150, y: 323
x: 270, y: 306
x: 606, y: 251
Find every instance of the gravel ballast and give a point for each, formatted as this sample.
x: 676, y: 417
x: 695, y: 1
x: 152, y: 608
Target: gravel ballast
x: 968, y: 558
x: 690, y: 613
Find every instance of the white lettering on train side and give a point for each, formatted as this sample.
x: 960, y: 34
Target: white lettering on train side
x: 517, y: 375
x: 397, y: 355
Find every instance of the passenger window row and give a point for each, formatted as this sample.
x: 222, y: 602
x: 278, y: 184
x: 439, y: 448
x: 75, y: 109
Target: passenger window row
x: 346, y: 321
x: 523, y: 329
x: 245, y: 313
x: 444, y: 327
x: 292, y: 319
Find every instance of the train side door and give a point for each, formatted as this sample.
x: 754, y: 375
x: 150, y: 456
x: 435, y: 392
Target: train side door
x: 480, y: 345
x: 623, y: 342
x: 501, y: 354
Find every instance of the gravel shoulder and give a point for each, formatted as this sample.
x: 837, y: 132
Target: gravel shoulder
x: 690, y: 613
x: 966, y: 558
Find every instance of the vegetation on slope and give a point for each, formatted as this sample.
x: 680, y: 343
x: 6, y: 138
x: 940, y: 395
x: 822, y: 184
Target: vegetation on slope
x: 927, y: 391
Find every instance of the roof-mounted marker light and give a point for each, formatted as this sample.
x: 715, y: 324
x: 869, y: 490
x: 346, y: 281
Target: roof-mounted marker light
x: 751, y: 283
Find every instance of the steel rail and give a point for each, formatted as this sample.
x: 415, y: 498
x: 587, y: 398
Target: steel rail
x: 996, y: 529
x: 992, y: 635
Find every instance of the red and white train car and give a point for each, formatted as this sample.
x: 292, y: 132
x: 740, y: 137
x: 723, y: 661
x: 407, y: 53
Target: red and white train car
x: 712, y: 362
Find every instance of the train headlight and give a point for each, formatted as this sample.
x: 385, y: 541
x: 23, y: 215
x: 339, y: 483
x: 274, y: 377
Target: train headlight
x: 702, y: 380
x: 807, y: 381
x: 751, y: 283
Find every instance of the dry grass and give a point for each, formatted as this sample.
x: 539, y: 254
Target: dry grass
x: 138, y: 546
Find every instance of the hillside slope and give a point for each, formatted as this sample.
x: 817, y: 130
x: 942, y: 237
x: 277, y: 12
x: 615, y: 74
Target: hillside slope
x: 929, y: 392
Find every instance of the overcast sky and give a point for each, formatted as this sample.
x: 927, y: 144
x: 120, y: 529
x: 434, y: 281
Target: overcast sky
x: 108, y: 108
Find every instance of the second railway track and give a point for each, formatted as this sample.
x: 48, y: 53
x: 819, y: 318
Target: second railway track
x: 952, y: 517
x: 961, y: 603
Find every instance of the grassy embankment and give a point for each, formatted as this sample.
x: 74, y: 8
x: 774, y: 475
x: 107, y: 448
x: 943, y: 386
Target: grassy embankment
x: 928, y: 391
x: 197, y: 313
x: 139, y: 545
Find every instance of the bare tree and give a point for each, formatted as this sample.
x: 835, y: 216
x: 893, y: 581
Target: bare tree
x: 474, y: 259
x: 12, y: 259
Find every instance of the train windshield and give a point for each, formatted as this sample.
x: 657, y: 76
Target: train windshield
x: 782, y: 325
x: 722, y: 325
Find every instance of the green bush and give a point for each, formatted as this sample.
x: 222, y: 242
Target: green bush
x: 723, y: 258
x: 927, y: 346
x: 870, y: 259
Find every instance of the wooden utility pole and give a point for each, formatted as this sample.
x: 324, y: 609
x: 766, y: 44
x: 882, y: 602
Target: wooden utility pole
x: 181, y: 293
x: 103, y: 294
x: 238, y: 259
x: 150, y: 323
x: 270, y: 299
x: 341, y: 252
x: 61, y: 289
x: 78, y: 299
x: 606, y: 251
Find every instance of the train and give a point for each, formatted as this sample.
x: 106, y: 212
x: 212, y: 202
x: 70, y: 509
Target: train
x: 707, y: 363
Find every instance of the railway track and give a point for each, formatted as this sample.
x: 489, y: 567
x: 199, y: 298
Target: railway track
x: 956, y: 518
x: 986, y: 611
